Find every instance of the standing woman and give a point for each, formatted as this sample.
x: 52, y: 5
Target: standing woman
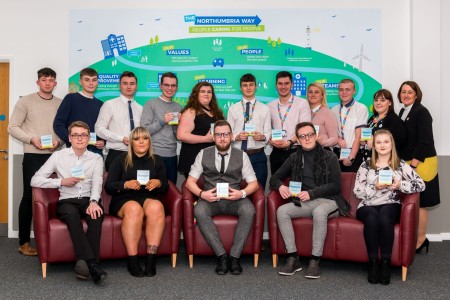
x: 419, y: 151
x: 384, y: 117
x: 322, y: 116
x: 135, y: 181
x: 380, y: 207
x: 194, y: 128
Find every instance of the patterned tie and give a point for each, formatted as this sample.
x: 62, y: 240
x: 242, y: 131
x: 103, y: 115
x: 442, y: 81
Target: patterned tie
x: 247, y: 117
x: 130, y: 111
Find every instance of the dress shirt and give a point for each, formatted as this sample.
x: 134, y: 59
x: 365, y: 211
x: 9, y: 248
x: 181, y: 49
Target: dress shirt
x: 61, y: 163
x: 299, y: 112
x: 114, y: 119
x: 356, y: 118
x: 406, y: 111
x: 260, y: 117
x: 247, y: 170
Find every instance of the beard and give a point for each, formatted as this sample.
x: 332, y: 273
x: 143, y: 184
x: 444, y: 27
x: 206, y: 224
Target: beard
x: 223, y: 148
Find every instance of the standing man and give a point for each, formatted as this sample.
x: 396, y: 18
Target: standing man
x: 286, y: 112
x: 157, y: 116
x: 80, y: 176
x: 316, y: 172
x: 81, y: 106
x: 223, y: 164
x: 118, y: 117
x: 351, y: 117
x: 32, y: 119
x: 251, y: 113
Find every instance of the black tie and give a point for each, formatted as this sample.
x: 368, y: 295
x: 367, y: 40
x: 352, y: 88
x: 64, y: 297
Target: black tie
x: 130, y: 111
x: 247, y: 117
x: 222, y: 163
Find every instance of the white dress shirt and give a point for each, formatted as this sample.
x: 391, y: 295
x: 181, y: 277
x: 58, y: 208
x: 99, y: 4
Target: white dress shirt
x: 260, y: 117
x: 61, y: 163
x: 113, y: 122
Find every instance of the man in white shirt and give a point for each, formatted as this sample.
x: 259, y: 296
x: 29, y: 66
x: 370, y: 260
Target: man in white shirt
x: 351, y: 116
x: 250, y: 123
x: 118, y: 117
x: 286, y: 112
x: 79, y: 180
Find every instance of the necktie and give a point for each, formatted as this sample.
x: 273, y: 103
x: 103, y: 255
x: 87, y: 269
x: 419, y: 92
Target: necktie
x: 130, y: 111
x: 222, y: 163
x: 247, y: 117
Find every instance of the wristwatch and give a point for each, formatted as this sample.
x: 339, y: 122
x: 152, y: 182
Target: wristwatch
x: 352, y: 160
x: 92, y: 200
x: 244, y: 194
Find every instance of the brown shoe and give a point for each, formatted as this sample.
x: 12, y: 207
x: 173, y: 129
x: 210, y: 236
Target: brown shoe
x: 27, y: 250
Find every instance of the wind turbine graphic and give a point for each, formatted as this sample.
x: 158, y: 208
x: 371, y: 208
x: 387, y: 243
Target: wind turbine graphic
x: 361, y: 56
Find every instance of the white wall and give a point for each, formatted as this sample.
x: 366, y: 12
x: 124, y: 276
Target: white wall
x: 35, y: 34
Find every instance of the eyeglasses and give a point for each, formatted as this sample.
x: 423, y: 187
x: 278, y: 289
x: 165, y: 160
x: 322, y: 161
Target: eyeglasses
x: 167, y: 86
x: 79, y: 136
x: 308, y: 135
x: 222, y: 134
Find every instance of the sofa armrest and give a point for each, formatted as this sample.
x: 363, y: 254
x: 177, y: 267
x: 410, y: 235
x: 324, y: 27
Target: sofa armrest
x: 188, y: 217
x: 274, y: 200
x: 259, y: 200
x: 409, y: 221
x: 173, y: 204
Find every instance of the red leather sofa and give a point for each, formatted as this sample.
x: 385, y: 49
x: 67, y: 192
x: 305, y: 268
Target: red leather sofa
x: 345, y: 240
x: 53, y: 239
x: 226, y: 226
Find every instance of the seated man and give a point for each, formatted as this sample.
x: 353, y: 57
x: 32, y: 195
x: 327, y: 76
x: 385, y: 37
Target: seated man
x: 316, y: 175
x: 223, y: 164
x: 80, y: 175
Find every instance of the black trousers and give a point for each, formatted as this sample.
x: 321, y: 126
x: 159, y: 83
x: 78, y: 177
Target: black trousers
x: 278, y: 157
x: 86, y: 245
x: 112, y: 155
x: 354, y: 166
x: 379, y: 222
x: 31, y: 164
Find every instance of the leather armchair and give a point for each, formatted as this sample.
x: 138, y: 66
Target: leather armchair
x: 345, y: 239
x: 53, y: 239
x: 226, y: 226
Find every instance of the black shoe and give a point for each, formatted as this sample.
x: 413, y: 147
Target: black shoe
x: 235, y: 266
x: 97, y: 273
x: 372, y: 276
x: 384, y: 276
x: 82, y: 270
x: 222, y: 265
x: 425, y: 244
x: 134, y: 267
x: 150, y: 265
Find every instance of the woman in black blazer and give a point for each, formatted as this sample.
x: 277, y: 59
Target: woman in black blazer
x: 419, y: 151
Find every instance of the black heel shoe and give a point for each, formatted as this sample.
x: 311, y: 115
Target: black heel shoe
x: 426, y: 244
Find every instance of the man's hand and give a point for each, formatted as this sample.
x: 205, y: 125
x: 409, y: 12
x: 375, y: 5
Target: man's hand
x: 233, y: 194
x: 210, y: 195
x: 55, y: 144
x: 258, y: 136
x: 303, y: 196
x: 125, y: 140
x: 168, y: 117
x: 341, y: 143
x: 284, y: 191
x: 280, y: 144
x: 71, y: 181
x: 99, y: 144
x: 36, y: 142
x: 152, y: 184
x: 94, y: 210
x: 132, y: 185
x: 242, y: 136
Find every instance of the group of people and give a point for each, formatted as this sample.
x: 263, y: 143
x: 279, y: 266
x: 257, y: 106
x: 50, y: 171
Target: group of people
x: 141, y: 143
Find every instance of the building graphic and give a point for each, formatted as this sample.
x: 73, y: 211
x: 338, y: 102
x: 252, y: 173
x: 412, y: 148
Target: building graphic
x: 299, y: 88
x: 112, y: 43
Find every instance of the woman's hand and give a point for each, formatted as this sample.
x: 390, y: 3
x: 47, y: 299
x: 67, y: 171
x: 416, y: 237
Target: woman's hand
x: 153, y: 184
x: 132, y: 185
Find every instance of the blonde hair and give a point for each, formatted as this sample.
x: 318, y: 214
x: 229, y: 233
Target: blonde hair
x: 138, y: 132
x: 394, y: 160
x: 322, y: 89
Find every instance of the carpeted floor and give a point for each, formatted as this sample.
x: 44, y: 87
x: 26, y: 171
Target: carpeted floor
x: 20, y: 278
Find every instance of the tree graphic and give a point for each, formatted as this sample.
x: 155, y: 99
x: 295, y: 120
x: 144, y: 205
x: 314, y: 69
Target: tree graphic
x: 269, y: 41
x: 151, y: 42
x: 156, y: 39
x: 279, y: 42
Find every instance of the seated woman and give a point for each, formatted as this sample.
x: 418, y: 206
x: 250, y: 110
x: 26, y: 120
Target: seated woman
x: 380, y: 207
x: 194, y: 130
x: 135, y: 180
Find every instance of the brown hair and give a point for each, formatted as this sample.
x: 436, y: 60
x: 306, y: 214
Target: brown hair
x: 415, y: 88
x: 303, y: 124
x: 394, y: 161
x: 197, y: 107
x: 88, y: 72
x: 78, y: 124
x: 46, y: 72
x: 387, y: 95
x: 138, y: 132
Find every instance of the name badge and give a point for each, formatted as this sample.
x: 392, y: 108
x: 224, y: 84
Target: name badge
x: 77, y: 171
x: 222, y: 189
x: 316, y: 127
x: 345, y: 153
x: 385, y: 177
x: 277, y: 134
x: 47, y: 141
x: 295, y: 187
x: 249, y: 128
x: 92, y: 138
x: 366, y: 134
x: 143, y: 176
x: 175, y: 118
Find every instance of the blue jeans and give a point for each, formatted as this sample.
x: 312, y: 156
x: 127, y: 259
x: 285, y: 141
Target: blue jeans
x: 259, y: 164
x: 171, y: 168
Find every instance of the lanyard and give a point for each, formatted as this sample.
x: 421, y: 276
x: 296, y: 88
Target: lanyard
x: 315, y: 111
x: 344, y: 119
x: 250, y: 114
x: 376, y: 120
x: 283, y: 119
